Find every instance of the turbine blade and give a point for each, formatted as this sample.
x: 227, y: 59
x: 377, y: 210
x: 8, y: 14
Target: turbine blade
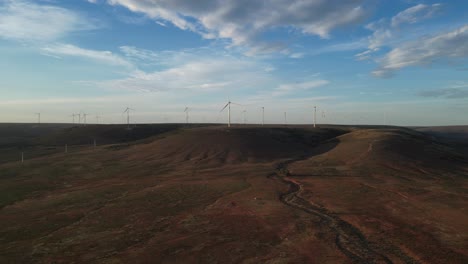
x: 224, y: 107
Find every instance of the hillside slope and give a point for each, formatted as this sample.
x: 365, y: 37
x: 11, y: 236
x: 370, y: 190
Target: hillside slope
x: 240, y: 195
x: 395, y: 185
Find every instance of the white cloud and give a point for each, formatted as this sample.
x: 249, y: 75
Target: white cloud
x: 298, y: 87
x: 448, y: 93
x: 201, y: 71
x: 243, y: 22
x: 297, y: 55
x: 424, y: 51
x: 107, y: 57
x: 200, y: 74
x: 139, y: 54
x: 415, y: 14
x: 27, y: 21
x: 386, y: 32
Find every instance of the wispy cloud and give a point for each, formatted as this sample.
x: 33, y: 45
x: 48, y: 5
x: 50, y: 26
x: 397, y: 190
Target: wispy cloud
x: 449, y: 93
x: 289, y: 88
x: 415, y: 14
x: 198, y: 74
x: 425, y: 51
x: 243, y: 22
x: 140, y: 54
x: 202, y: 71
x: 27, y: 21
x: 455, y: 91
x: 60, y: 49
x: 387, y: 31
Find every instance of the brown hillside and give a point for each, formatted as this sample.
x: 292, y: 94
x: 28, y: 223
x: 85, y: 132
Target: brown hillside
x: 219, y: 145
x: 241, y: 195
x: 398, y: 149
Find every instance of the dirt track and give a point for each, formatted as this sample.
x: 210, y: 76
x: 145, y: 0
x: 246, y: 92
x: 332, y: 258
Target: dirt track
x: 349, y: 239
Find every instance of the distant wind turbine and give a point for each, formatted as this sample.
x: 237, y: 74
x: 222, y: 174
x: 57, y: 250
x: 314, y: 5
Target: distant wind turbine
x: 315, y: 116
x: 245, y: 118
x: 38, y: 118
x: 127, y: 110
x: 84, y: 119
x: 263, y: 116
x: 285, y: 120
x: 73, y: 115
x: 186, y: 115
x: 228, y: 105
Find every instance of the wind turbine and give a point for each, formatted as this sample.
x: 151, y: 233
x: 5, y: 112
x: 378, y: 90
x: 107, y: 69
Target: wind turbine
x: 228, y: 105
x: 127, y: 110
x: 245, y: 119
x: 79, y: 118
x: 186, y: 114
x: 73, y: 115
x: 97, y: 119
x: 315, y: 116
x: 84, y: 119
x: 285, y: 120
x: 38, y: 118
x: 263, y: 115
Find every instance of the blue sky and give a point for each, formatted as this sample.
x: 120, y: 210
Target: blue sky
x: 400, y: 62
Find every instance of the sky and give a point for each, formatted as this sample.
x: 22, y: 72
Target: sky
x: 395, y: 62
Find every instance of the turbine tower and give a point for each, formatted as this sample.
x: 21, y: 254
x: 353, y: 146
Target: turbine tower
x: 186, y: 115
x: 315, y: 116
x: 285, y: 120
x: 73, y: 115
x: 263, y: 115
x: 84, y: 119
x: 79, y: 118
x: 38, y: 118
x: 127, y: 110
x: 245, y: 119
x: 228, y: 105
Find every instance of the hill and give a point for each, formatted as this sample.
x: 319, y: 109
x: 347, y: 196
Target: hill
x: 248, y: 194
x: 394, y: 185
x: 217, y: 146
x: 47, y: 139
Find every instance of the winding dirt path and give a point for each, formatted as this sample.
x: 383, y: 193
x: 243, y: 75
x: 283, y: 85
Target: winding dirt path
x: 349, y: 239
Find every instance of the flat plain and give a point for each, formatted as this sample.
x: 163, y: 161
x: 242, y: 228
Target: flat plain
x: 173, y: 193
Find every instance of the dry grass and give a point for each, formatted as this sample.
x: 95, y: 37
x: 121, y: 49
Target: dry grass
x: 207, y: 195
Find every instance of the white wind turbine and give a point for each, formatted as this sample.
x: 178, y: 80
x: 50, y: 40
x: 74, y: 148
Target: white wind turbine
x: 245, y: 116
x: 84, y: 119
x: 38, y: 118
x: 228, y: 105
x: 127, y: 110
x: 315, y: 116
x: 263, y: 115
x: 186, y: 115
